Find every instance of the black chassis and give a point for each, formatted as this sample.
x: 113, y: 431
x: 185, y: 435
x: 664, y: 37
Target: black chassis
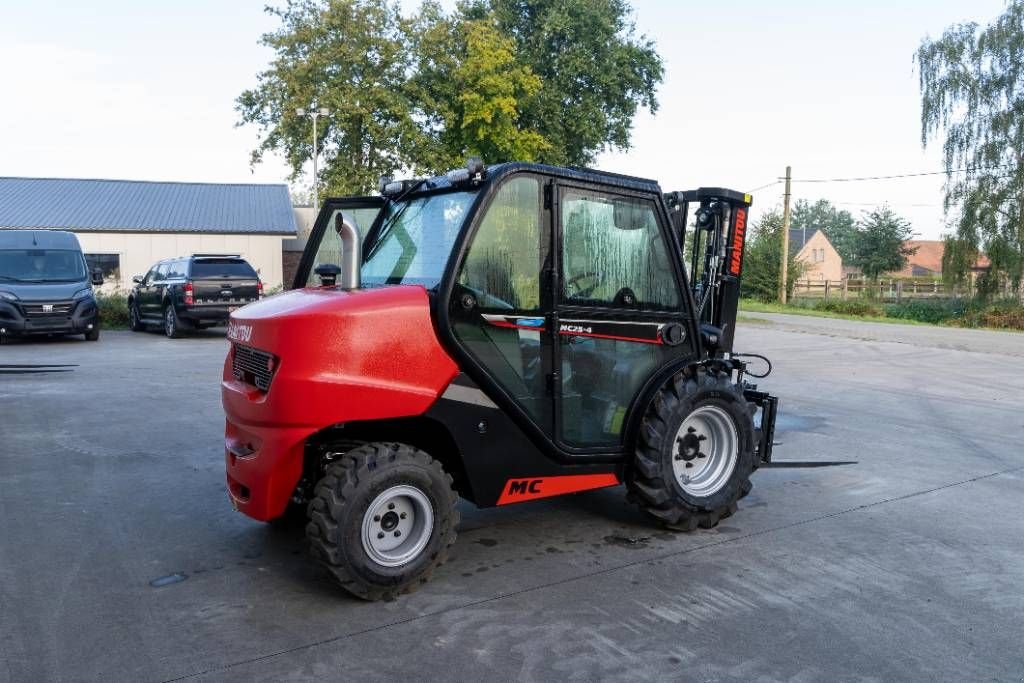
x: 487, y: 443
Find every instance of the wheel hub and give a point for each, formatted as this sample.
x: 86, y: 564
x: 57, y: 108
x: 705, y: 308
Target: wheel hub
x: 397, y: 526
x: 707, y: 450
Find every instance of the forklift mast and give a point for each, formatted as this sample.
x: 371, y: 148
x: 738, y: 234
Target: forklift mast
x: 715, y: 257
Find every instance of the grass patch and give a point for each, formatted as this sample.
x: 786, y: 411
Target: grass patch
x: 1007, y: 315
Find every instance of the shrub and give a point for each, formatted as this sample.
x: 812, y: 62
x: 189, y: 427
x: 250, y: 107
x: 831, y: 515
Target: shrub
x: 928, y: 311
x: 849, y: 307
x: 1008, y: 315
x: 113, y: 309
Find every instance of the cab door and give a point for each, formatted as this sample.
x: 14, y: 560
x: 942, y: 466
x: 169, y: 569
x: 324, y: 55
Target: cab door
x: 500, y: 305
x: 618, y: 314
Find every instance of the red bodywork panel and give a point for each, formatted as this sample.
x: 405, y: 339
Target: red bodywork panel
x: 369, y: 354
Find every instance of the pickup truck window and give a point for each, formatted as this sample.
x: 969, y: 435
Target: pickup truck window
x: 222, y: 267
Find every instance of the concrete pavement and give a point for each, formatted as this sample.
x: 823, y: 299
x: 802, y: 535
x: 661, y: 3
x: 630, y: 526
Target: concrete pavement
x: 907, y: 565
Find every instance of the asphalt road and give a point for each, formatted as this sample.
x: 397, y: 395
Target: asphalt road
x: 908, y: 565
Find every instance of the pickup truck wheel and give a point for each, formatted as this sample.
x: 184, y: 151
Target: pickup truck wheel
x: 135, y: 323
x: 382, y: 519
x: 172, y: 327
x: 695, y: 451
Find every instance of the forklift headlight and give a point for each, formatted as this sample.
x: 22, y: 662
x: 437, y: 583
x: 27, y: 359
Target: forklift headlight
x: 393, y: 188
x: 474, y: 170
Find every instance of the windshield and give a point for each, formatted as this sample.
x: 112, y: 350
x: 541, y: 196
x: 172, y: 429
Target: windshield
x: 415, y: 240
x: 41, y: 265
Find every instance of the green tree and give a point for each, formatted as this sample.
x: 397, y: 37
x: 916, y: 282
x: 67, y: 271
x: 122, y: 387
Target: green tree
x: 763, y: 261
x: 595, y: 71
x: 880, y: 245
x: 972, y: 97
x: 839, y: 226
x: 350, y: 56
x: 467, y: 91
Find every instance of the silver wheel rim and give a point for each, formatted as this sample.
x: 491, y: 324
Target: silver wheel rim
x: 169, y: 321
x: 397, y: 526
x: 706, y: 451
x: 133, y: 317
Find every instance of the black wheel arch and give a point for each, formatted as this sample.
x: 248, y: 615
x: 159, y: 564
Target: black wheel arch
x: 421, y: 432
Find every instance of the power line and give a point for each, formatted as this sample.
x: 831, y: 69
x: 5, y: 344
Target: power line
x: 892, y: 177
x: 762, y: 187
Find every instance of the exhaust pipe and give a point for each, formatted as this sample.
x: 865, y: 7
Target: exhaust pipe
x: 352, y: 251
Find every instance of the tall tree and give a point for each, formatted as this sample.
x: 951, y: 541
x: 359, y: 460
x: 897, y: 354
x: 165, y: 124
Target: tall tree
x: 349, y: 56
x: 762, y: 265
x: 972, y: 97
x: 881, y: 243
x: 468, y: 90
x: 595, y: 71
x: 838, y: 225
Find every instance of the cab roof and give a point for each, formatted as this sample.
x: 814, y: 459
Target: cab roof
x: 497, y: 171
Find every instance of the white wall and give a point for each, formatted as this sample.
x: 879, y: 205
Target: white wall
x: 304, y: 219
x: 139, y: 251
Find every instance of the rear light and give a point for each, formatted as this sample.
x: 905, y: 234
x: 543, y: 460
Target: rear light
x: 259, y: 289
x: 189, y: 294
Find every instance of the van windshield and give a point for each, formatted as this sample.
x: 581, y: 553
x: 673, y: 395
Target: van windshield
x: 41, y: 265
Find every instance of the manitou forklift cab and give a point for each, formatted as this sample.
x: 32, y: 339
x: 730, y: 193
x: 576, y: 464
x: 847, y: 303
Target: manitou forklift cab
x: 503, y: 334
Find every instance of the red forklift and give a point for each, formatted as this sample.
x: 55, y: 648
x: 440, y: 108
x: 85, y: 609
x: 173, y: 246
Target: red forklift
x: 503, y: 334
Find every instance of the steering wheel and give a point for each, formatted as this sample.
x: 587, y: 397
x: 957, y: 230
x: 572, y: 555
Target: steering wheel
x: 581, y: 292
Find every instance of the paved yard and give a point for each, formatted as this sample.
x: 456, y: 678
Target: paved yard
x: 908, y: 565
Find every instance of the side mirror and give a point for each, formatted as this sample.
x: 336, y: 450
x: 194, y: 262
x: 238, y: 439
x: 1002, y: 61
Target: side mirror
x: 97, y: 277
x: 137, y: 279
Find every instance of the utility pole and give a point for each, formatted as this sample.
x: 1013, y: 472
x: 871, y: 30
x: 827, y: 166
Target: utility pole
x: 785, y: 238
x: 314, y: 114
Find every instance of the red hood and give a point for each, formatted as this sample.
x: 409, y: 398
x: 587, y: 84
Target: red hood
x: 366, y: 354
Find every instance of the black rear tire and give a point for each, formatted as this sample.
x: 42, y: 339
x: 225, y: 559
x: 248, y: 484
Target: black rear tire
x: 172, y: 326
x: 340, y: 511
x: 653, y: 481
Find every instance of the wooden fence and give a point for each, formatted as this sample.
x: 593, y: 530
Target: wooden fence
x: 883, y: 290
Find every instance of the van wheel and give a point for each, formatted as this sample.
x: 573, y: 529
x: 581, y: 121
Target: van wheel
x: 382, y: 519
x: 172, y: 327
x: 93, y: 334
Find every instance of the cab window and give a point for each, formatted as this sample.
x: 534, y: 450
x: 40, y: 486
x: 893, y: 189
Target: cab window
x: 614, y: 254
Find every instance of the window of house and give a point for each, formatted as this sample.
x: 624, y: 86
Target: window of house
x: 109, y: 264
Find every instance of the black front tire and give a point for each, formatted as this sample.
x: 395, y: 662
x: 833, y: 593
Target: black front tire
x: 93, y: 334
x: 172, y: 326
x: 342, y: 499
x: 652, y: 480
x: 135, y: 323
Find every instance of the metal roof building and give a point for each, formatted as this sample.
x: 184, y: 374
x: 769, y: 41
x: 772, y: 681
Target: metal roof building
x: 125, y: 226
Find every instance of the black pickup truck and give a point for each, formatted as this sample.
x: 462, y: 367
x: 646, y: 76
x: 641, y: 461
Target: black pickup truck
x: 192, y: 292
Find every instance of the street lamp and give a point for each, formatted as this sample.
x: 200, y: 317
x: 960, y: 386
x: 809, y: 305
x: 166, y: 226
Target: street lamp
x: 314, y: 114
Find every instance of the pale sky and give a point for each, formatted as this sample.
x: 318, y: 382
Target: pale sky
x: 145, y: 91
